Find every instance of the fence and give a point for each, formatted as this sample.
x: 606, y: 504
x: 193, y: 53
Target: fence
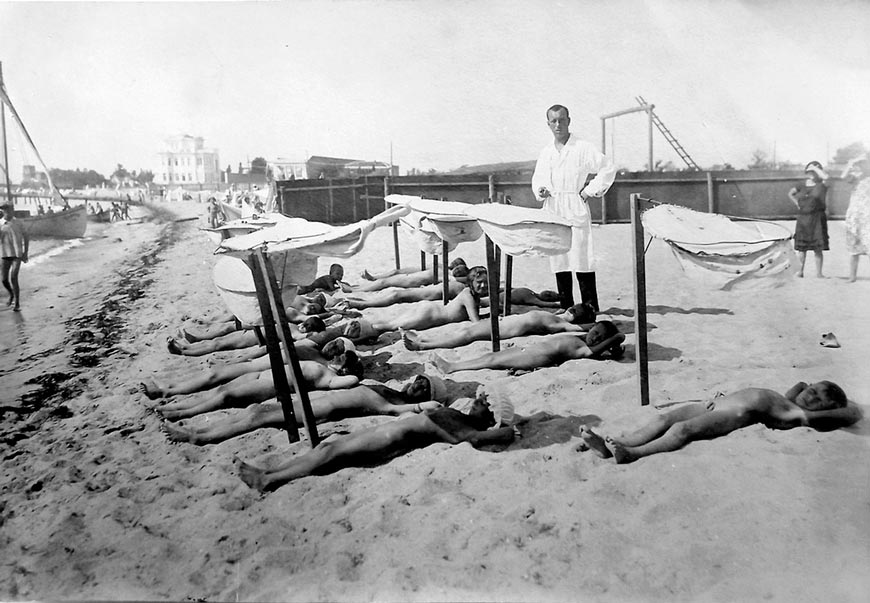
x: 749, y: 194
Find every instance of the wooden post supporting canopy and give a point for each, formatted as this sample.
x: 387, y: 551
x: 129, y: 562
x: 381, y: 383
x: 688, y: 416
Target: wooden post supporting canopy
x: 640, y: 326
x: 493, y: 278
x: 446, y: 283
x: 277, y: 332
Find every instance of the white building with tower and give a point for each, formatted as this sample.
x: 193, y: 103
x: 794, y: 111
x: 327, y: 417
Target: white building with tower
x: 186, y: 163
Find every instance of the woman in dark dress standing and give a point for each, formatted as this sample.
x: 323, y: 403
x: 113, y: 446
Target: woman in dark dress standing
x: 811, y: 228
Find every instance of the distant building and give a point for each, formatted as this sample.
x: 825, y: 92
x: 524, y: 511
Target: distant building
x: 318, y: 166
x: 188, y: 164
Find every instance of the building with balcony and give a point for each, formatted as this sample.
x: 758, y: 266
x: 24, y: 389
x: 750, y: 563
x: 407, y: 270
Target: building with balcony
x: 186, y: 163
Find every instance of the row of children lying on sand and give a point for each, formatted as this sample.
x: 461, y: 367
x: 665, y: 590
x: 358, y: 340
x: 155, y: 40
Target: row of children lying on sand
x: 327, y: 325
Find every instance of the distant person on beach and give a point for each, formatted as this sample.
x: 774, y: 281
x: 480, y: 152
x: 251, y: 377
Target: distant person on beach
x: 328, y: 282
x: 387, y: 440
x: 811, y: 227
x: 578, y: 318
x: 551, y: 350
x: 822, y: 406
x: 858, y: 213
x: 559, y: 183
x: 423, y: 393
x: 14, y: 247
x: 427, y: 314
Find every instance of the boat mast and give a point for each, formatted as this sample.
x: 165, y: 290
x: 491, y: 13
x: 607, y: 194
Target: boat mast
x: 3, y: 135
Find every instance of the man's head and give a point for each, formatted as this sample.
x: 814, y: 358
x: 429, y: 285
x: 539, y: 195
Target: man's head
x: 336, y: 271
x: 558, y: 121
x: 823, y: 395
x: 8, y: 210
x: 581, y: 314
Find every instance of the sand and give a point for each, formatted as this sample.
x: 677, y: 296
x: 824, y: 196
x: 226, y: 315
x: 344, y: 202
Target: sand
x: 98, y: 504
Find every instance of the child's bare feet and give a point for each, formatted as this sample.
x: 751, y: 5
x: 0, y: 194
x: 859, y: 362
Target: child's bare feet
x: 177, y: 433
x: 174, y: 345
x: 618, y: 450
x: 152, y: 389
x: 594, y: 442
x: 441, y: 364
x: 411, y: 339
x: 252, y: 476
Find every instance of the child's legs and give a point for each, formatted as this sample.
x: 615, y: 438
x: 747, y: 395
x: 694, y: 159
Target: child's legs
x: 662, y: 423
x: 820, y: 259
x: 6, y: 267
x: 710, y: 424
x: 802, y: 255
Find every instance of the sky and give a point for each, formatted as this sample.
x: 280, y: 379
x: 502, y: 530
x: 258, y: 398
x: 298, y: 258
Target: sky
x: 435, y: 84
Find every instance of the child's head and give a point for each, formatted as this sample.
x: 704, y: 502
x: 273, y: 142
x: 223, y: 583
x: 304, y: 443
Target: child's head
x: 336, y: 271
x: 312, y: 324
x: 348, y: 364
x: 600, y: 331
x: 313, y: 308
x: 823, y: 395
x: 459, y: 271
x: 583, y: 313
x: 478, y: 281
x: 456, y: 262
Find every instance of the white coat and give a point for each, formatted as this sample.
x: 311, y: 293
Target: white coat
x: 563, y: 172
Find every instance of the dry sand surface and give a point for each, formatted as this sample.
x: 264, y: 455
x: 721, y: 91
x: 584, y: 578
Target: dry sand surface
x: 98, y: 504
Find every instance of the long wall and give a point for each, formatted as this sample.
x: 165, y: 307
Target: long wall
x: 749, y: 194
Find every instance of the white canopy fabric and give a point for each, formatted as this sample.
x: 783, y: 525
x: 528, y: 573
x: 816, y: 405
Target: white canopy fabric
x: 723, y: 252
x: 519, y: 231
x: 312, y: 238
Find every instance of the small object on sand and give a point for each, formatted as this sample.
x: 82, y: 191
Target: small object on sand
x: 829, y: 340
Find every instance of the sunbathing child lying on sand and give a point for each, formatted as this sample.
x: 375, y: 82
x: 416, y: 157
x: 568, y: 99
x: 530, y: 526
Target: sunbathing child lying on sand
x: 400, y: 295
x: 821, y: 405
x: 423, y: 393
x: 550, y: 350
x: 427, y: 314
x: 329, y: 282
x: 315, y: 372
x: 384, y: 441
x: 258, y: 387
x: 576, y: 319
x: 238, y: 340
x: 418, y: 278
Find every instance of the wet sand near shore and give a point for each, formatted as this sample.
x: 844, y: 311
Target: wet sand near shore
x: 96, y: 502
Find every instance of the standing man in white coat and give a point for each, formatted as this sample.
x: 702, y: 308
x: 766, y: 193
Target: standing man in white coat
x: 559, y: 182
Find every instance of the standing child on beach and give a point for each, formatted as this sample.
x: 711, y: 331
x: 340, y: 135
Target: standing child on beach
x: 811, y: 227
x: 14, y: 245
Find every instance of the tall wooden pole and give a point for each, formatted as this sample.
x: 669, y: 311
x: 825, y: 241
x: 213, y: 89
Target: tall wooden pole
x: 492, y: 275
x: 395, y: 224
x: 446, y: 284
x: 5, y: 152
x: 640, y: 325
